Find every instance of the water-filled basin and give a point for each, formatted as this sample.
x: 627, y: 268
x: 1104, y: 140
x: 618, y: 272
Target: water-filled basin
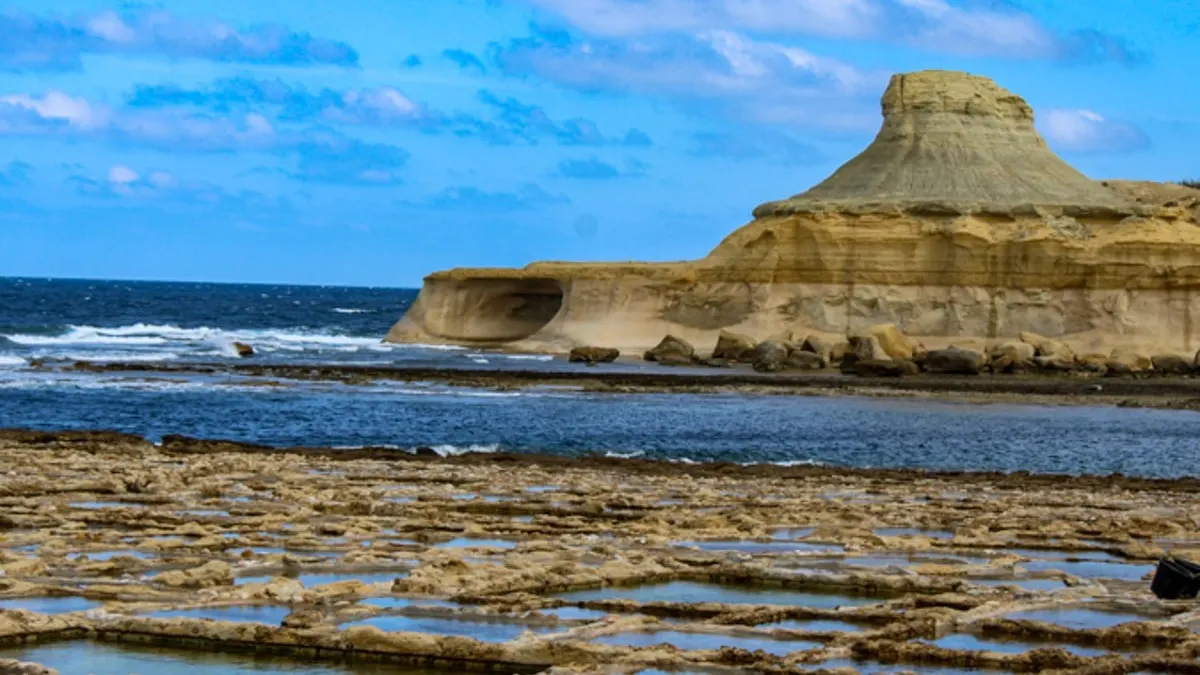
x: 698, y: 641
x: 694, y: 592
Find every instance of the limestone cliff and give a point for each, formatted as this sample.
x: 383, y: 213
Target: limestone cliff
x: 957, y: 223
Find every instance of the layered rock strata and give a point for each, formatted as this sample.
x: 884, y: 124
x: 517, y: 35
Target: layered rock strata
x: 957, y: 223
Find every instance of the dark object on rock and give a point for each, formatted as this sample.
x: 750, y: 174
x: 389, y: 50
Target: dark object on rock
x: 716, y: 363
x: 1169, y: 364
x: 1176, y: 578
x: 672, y: 351
x: 847, y: 363
x: 770, y: 357
x: 806, y: 360
x: 885, y: 368
x: 734, y: 347
x: 953, y: 361
x: 243, y: 350
x: 426, y: 451
x: 1118, y: 369
x: 590, y: 355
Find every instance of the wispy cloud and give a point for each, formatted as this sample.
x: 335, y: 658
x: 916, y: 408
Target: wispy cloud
x: 1081, y: 130
x: 974, y: 28
x: 593, y: 168
x: 510, y: 120
x: 321, y: 153
x: 15, y: 173
x: 55, y: 41
x: 471, y: 199
x: 753, y: 80
x: 161, y: 188
x: 465, y: 60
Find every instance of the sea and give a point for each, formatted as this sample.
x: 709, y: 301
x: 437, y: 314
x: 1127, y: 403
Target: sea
x: 62, y: 321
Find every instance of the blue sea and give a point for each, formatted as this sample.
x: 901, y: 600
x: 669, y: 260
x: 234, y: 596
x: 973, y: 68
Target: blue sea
x: 62, y: 321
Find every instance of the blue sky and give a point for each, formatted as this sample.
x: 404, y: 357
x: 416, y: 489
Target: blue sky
x: 371, y: 142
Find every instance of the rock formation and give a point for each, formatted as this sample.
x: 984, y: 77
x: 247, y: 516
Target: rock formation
x: 957, y: 224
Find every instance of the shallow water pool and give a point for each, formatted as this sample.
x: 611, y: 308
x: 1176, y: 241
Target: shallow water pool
x: 321, y: 578
x: 272, y: 615
x: 55, y: 605
x: 694, y: 592
x: 484, y: 631
x: 467, y: 542
x: 970, y: 642
x: 697, y: 641
x: 816, y: 626
x: 1080, y: 618
x: 84, y: 657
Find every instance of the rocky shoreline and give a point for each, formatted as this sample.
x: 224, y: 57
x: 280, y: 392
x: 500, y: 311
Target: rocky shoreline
x: 1148, y: 389
x: 513, y: 563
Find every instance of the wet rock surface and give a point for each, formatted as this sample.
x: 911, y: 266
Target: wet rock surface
x: 524, y: 564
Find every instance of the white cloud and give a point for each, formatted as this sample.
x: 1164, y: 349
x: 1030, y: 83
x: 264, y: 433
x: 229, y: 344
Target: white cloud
x: 122, y: 175
x: 1081, y: 130
x: 58, y: 106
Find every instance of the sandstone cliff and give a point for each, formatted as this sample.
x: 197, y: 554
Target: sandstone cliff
x: 957, y: 223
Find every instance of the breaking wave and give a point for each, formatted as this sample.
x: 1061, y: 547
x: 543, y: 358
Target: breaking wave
x: 216, y: 340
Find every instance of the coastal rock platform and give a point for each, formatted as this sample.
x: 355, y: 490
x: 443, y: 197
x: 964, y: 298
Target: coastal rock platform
x: 957, y: 224
x: 522, y: 564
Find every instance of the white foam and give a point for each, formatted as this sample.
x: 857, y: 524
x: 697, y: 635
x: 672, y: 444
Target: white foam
x: 528, y: 357
x: 9, y: 361
x: 214, y: 339
x: 453, y: 450
x: 625, y: 455
x: 102, y: 357
x: 346, y: 310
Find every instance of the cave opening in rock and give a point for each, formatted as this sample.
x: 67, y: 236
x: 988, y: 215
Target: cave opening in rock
x: 500, y: 310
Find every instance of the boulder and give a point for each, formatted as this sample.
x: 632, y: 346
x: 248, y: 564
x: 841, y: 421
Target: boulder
x: 1135, y: 361
x: 893, y: 342
x: 770, y: 357
x: 734, y: 346
x: 1046, y: 346
x: 1171, y: 364
x: 672, y: 351
x: 593, y: 355
x: 788, y: 337
x: 886, y: 368
x: 243, y: 350
x: 14, y: 667
x: 1117, y: 369
x: 815, y: 345
x: 867, y: 348
x: 1092, y: 363
x: 716, y: 363
x: 1055, y: 364
x: 1015, y: 351
x: 954, y: 361
x: 802, y: 360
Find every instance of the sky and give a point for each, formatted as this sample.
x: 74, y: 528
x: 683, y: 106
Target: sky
x: 371, y: 142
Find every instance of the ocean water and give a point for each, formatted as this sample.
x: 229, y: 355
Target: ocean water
x: 167, y: 322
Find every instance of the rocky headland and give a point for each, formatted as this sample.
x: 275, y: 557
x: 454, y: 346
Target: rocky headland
x: 957, y: 227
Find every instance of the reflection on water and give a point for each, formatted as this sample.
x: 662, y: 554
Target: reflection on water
x: 696, y: 641
x: 84, y: 657
x: 689, y: 591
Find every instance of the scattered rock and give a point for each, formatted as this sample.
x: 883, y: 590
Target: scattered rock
x: 1136, y: 362
x: 734, y: 347
x: 1014, y: 351
x: 816, y: 345
x: 770, y: 357
x: 1092, y: 363
x: 867, y: 348
x: 593, y: 355
x: 11, y: 667
x: 1055, y: 364
x: 893, y: 342
x: 888, y: 368
x: 28, y: 567
x: 1046, y: 346
x: 672, y: 351
x: 1117, y: 369
x: 243, y: 350
x: 1171, y: 364
x: 954, y: 361
x: 804, y: 360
